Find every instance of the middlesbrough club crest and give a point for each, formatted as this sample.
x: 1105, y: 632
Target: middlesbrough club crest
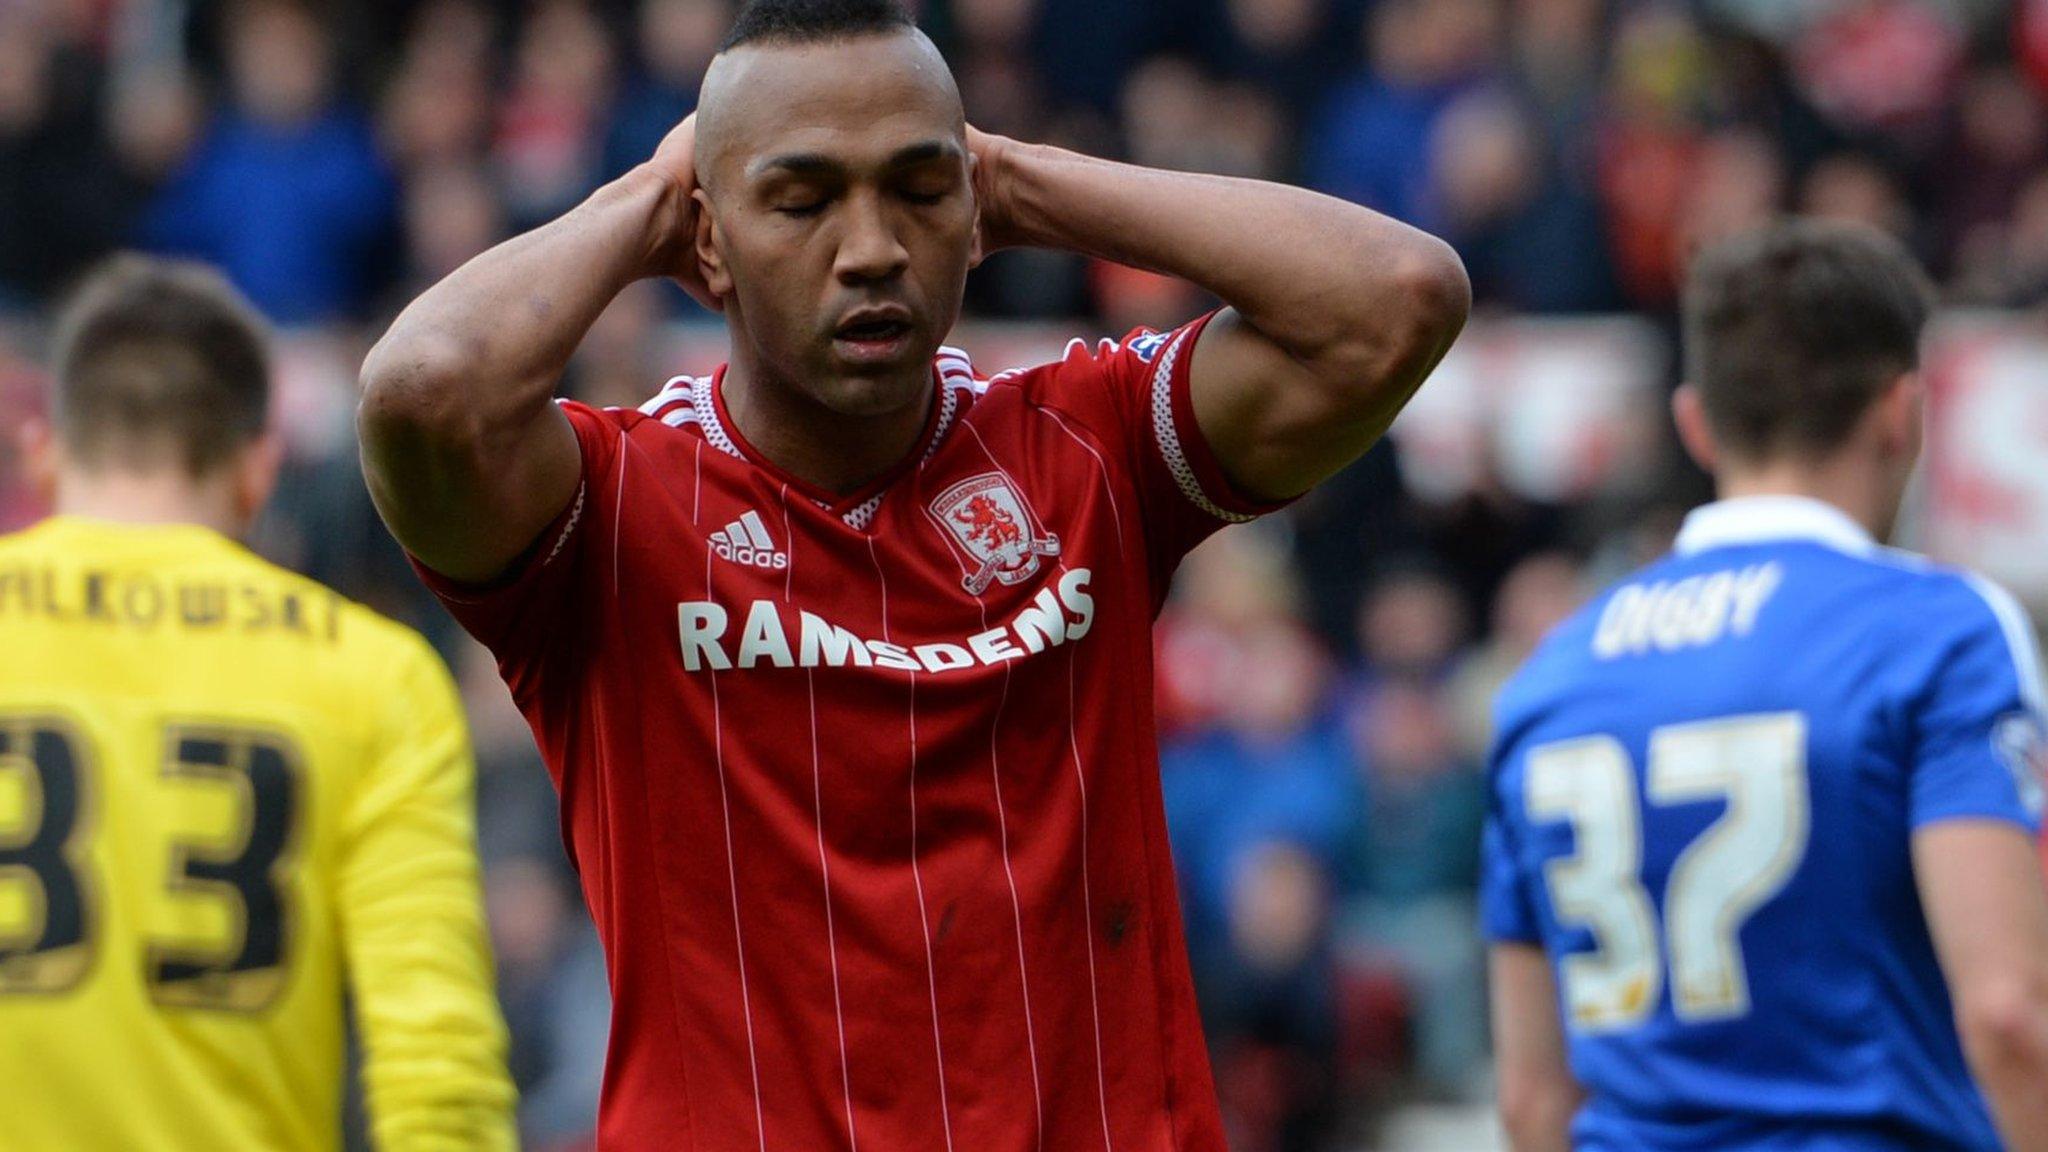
x: 992, y: 531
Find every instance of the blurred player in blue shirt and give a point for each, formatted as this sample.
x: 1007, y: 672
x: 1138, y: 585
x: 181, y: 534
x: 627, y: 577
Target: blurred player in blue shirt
x: 1759, y: 867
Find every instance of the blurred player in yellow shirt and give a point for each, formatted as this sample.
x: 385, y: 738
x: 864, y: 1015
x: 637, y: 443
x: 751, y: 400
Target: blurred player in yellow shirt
x: 227, y: 795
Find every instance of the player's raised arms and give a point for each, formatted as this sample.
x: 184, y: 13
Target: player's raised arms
x: 465, y: 455
x: 1336, y: 314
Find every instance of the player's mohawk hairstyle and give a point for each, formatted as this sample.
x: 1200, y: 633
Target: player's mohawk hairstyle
x: 814, y: 21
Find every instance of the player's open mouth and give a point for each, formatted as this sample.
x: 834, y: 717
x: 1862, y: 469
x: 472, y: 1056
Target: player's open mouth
x: 873, y: 336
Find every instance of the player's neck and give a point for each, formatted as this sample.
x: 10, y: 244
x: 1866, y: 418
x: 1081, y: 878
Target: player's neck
x: 1856, y: 487
x: 823, y: 448
x: 139, y: 498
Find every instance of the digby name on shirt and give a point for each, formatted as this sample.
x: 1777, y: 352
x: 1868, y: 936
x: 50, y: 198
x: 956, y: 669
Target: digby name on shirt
x: 1666, y: 616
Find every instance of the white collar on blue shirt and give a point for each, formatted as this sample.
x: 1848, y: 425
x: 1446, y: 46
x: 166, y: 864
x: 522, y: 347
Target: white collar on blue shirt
x: 1758, y: 519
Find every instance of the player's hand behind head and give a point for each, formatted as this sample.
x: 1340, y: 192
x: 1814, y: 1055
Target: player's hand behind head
x: 676, y: 253
x: 997, y: 228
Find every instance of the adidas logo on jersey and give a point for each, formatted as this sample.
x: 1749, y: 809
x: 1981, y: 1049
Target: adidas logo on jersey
x: 746, y: 541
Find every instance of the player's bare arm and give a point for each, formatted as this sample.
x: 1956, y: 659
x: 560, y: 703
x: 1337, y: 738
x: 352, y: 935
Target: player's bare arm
x: 1980, y: 883
x: 1336, y: 313
x: 466, y: 455
x: 1538, y: 1095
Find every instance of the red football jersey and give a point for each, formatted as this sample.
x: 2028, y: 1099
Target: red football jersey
x: 864, y: 790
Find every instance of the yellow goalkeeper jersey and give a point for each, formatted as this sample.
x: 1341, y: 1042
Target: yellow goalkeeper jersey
x: 228, y: 797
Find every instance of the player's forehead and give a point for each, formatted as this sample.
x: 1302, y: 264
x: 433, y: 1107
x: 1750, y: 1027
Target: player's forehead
x: 859, y: 103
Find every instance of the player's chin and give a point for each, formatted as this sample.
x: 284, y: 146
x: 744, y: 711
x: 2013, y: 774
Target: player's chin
x: 866, y: 391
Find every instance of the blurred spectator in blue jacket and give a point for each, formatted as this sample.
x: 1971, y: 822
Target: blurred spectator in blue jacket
x: 1085, y: 48
x: 1372, y: 131
x: 1409, y: 870
x: 1529, y: 233
x: 676, y: 41
x: 287, y: 192
x: 1291, y: 49
x: 1256, y: 805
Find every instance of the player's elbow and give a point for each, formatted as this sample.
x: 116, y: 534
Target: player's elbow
x: 1402, y: 324
x: 1536, y: 1108
x: 2004, y: 1024
x: 412, y: 388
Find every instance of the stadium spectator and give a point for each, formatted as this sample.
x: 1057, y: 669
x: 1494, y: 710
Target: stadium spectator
x: 551, y: 984
x: 287, y: 192
x: 548, y: 145
x: 1997, y: 146
x: 1256, y: 806
x: 1858, y: 188
x: 1648, y: 143
x: 62, y: 200
x: 1529, y: 233
x: 1236, y: 585
x: 1536, y: 596
x: 1880, y: 66
x: 1292, y: 49
x: 452, y: 212
x: 675, y: 42
x: 1409, y: 875
x: 1372, y: 130
x: 1411, y: 625
x: 437, y: 108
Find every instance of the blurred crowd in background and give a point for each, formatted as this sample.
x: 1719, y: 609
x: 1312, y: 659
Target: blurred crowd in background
x: 1324, y: 677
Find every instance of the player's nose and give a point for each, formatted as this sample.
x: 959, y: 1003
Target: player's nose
x: 869, y: 248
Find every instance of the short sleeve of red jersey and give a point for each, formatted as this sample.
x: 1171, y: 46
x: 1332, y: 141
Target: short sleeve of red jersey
x: 531, y: 610
x: 1133, y: 394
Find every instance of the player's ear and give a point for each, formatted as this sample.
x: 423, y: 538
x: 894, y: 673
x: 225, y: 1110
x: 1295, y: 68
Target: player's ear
x: 1899, y: 412
x: 979, y: 251
x: 1694, y: 432
x: 710, y: 261
x: 42, y: 457
x: 256, y: 475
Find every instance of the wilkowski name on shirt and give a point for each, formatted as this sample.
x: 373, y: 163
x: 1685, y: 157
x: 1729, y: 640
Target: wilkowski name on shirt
x: 142, y: 600
x: 1060, y: 612
x: 1667, y: 615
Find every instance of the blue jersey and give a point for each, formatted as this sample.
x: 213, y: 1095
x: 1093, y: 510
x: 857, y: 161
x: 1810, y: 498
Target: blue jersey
x: 1701, y: 803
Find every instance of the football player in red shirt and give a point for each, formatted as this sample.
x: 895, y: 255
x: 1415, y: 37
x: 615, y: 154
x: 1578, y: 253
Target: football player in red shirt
x: 840, y: 654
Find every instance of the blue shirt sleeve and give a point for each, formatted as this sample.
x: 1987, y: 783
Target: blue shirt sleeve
x: 1507, y: 912
x: 1977, y: 727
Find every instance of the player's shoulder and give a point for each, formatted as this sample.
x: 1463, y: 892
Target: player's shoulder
x: 1945, y: 602
x: 681, y: 402
x: 1958, y: 610
x: 1149, y: 353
